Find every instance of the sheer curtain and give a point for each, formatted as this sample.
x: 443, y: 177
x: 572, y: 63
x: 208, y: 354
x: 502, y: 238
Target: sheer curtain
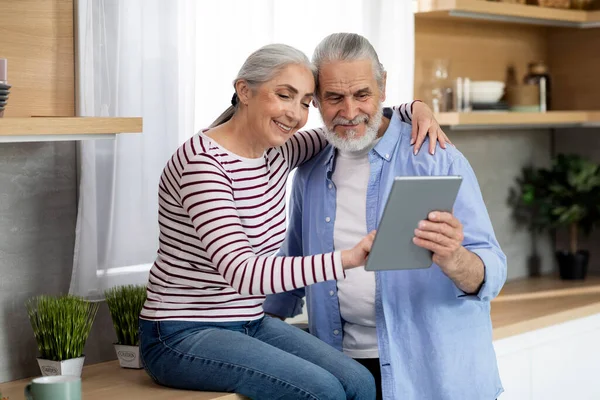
x: 173, y: 64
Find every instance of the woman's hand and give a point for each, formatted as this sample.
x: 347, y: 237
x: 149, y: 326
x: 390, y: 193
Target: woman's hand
x: 423, y: 124
x: 358, y: 255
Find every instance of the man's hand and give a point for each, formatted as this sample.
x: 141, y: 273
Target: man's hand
x: 443, y: 234
x: 423, y: 123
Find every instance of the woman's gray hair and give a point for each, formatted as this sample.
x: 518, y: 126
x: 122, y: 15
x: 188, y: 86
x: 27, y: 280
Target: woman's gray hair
x: 261, y: 66
x: 348, y: 47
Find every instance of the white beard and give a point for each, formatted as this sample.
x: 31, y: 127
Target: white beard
x: 350, y: 143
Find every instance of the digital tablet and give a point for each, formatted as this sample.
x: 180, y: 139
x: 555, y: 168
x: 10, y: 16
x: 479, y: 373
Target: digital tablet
x: 410, y: 201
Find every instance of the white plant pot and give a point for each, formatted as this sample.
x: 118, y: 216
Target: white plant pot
x: 129, y: 356
x: 72, y: 367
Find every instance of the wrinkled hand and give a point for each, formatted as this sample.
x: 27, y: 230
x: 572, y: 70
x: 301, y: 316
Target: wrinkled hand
x: 442, y: 234
x: 424, y: 123
x: 357, y: 256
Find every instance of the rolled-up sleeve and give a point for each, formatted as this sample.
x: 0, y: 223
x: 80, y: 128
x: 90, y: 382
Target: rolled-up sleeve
x: 479, y: 235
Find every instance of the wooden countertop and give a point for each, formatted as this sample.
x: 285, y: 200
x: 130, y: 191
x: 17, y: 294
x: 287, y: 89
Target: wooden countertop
x: 528, y: 304
x: 109, y: 381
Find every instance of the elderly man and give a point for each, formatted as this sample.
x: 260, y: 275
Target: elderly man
x: 424, y: 334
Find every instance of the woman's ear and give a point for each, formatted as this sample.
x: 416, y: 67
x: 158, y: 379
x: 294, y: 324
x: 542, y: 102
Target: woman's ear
x: 243, y: 91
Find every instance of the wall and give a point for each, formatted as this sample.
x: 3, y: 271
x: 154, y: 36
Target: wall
x: 497, y: 157
x: 38, y: 203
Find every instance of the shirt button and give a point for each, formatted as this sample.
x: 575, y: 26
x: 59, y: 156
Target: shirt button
x: 330, y: 186
x: 336, y: 332
x: 387, y: 156
x: 327, y: 219
x: 331, y: 292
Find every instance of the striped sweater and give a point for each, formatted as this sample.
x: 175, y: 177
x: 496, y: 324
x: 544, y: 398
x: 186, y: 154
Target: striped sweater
x: 221, y: 218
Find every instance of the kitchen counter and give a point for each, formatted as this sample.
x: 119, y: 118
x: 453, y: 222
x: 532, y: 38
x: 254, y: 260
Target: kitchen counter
x: 528, y: 304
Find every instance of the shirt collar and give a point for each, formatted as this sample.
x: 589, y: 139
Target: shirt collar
x: 389, y: 141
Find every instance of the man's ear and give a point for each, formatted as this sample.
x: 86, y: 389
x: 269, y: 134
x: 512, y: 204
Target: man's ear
x: 243, y: 91
x: 383, y: 79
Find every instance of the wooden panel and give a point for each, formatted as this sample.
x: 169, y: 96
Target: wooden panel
x: 68, y: 126
x: 441, y: 8
x: 109, y: 381
x: 476, y: 49
x: 574, y: 63
x: 36, y: 36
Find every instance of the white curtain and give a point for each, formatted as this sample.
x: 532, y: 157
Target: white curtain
x: 173, y: 62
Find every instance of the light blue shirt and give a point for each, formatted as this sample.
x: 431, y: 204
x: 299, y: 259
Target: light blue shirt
x: 435, y: 341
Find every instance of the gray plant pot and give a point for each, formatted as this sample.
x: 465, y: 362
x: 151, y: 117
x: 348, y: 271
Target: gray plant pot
x: 129, y: 356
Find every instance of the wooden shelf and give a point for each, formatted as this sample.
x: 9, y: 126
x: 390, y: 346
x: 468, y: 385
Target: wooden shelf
x: 506, y: 12
x: 519, y: 120
x: 41, y: 129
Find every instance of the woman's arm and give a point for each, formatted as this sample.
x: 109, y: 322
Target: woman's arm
x: 207, y: 196
x: 304, y: 145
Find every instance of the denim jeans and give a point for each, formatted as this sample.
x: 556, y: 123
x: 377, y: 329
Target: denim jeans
x: 263, y: 359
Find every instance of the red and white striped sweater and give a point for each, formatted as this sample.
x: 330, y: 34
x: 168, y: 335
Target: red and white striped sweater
x: 221, y: 218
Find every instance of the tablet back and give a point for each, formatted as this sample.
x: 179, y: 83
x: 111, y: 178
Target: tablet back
x: 411, y: 200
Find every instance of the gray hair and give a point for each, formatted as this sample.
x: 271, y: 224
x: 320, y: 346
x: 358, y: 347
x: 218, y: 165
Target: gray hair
x: 348, y: 47
x: 261, y: 66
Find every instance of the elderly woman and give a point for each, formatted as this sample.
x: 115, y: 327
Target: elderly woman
x: 222, y: 216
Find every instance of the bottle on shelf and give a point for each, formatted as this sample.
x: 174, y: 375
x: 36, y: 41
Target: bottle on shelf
x: 538, y: 75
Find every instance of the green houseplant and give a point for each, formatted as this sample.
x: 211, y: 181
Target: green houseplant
x: 125, y: 304
x: 564, y: 196
x: 61, y: 326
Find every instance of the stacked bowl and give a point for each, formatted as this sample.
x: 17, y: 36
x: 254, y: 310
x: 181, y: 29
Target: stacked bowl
x: 486, y: 92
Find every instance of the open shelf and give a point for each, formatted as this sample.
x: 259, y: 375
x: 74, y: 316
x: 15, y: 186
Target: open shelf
x: 45, y: 129
x: 519, y: 120
x: 506, y: 12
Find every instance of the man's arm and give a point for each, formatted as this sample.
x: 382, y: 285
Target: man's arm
x: 289, y: 304
x: 468, y: 252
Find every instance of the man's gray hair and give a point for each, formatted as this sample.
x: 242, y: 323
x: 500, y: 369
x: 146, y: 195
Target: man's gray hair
x: 261, y: 66
x: 348, y: 47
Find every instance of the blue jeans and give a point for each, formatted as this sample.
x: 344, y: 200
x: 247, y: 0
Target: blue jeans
x: 263, y: 359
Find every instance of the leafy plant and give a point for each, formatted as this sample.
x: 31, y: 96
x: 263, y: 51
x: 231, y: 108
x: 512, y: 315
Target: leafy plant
x: 125, y: 304
x: 565, y: 195
x: 61, y: 325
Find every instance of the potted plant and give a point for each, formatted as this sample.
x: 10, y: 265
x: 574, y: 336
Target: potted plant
x: 125, y: 304
x: 61, y: 326
x: 565, y: 196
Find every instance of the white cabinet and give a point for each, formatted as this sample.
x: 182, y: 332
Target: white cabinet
x: 561, y: 362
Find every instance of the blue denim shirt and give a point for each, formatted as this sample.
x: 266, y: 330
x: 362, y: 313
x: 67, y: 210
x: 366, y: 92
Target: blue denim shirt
x: 435, y: 341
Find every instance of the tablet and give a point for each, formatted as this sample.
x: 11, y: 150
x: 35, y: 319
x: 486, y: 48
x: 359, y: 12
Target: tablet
x: 410, y: 201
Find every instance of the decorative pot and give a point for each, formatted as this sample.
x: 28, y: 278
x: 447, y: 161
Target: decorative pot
x: 129, y: 356
x: 573, y: 266
x: 72, y: 366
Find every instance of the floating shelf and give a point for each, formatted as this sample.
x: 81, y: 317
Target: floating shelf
x: 46, y: 129
x: 519, y: 120
x: 506, y: 12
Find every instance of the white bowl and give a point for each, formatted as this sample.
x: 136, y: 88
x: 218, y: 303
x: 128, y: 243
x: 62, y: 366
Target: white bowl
x: 487, y: 84
x: 486, y: 95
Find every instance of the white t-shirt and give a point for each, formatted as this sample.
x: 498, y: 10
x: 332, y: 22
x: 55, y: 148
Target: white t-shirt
x: 356, y: 293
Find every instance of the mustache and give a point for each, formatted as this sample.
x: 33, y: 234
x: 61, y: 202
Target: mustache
x: 355, y: 121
